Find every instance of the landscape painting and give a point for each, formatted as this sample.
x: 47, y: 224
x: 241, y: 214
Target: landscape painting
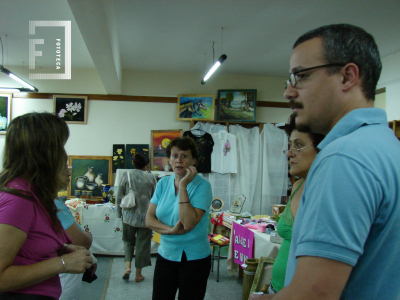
x: 131, y: 150
x: 237, y: 105
x: 195, y: 107
x: 159, y: 142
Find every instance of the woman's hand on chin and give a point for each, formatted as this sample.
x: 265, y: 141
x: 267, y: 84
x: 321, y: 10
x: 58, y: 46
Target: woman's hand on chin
x: 191, y: 173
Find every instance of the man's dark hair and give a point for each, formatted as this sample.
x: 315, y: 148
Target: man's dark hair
x: 345, y: 43
x: 315, y: 138
x: 140, y: 160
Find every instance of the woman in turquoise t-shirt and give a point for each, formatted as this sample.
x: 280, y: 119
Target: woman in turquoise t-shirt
x: 303, y: 150
x: 179, y: 212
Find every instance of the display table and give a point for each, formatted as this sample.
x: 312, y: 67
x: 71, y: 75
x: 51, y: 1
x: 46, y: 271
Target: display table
x: 263, y: 247
x: 102, y: 222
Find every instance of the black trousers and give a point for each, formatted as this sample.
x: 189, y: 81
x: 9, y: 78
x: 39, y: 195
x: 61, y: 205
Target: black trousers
x: 190, y: 277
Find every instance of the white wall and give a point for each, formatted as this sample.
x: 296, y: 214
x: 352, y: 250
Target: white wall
x: 119, y: 122
x: 390, y: 79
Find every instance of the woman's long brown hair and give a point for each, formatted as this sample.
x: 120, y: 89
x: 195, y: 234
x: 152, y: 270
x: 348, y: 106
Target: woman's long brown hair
x: 34, y: 150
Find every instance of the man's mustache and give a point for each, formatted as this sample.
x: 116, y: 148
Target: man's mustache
x: 294, y: 104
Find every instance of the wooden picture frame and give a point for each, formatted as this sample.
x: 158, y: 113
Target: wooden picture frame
x: 159, y: 142
x: 5, y: 111
x: 96, y: 169
x: 263, y: 274
x: 237, y: 105
x: 195, y: 107
x: 72, y: 109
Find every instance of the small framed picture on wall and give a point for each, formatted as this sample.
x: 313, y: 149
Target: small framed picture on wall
x: 160, y: 139
x: 195, y: 107
x: 72, y: 109
x: 5, y: 112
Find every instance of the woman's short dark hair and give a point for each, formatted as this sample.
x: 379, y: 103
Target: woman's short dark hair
x: 315, y: 138
x: 184, y: 143
x: 34, y: 149
x: 140, y: 160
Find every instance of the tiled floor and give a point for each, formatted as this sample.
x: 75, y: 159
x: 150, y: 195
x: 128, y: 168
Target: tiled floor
x: 228, y: 287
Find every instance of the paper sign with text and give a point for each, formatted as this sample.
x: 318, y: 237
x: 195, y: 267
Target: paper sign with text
x: 243, y: 240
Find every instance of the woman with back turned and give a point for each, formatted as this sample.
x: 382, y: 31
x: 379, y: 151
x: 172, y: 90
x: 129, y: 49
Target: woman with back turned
x: 33, y: 245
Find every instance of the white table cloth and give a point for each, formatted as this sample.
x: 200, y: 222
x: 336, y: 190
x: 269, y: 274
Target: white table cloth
x: 101, y: 220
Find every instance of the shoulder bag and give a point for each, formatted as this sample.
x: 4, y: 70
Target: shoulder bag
x: 128, y: 201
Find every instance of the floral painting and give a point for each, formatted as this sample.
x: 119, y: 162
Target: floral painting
x: 131, y: 150
x: 237, y: 105
x: 118, y: 157
x: 5, y: 112
x: 159, y: 142
x: 72, y: 109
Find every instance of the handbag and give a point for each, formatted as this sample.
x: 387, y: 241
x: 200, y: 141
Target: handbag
x: 128, y: 201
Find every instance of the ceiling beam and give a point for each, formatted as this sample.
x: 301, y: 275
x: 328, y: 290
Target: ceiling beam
x: 97, y: 24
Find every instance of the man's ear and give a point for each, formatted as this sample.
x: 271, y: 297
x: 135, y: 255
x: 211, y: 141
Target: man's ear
x: 350, y: 75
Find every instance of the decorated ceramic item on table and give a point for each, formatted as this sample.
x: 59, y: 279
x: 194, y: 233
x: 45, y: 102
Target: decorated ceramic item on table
x: 90, y: 174
x: 80, y: 182
x: 106, y: 188
x: 99, y: 180
x: 77, y: 193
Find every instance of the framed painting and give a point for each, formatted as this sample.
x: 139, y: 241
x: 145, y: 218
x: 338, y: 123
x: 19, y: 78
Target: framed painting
x: 118, y: 157
x: 89, y: 173
x: 5, y: 112
x: 131, y: 150
x: 237, y: 105
x: 195, y: 107
x: 72, y: 109
x: 263, y: 274
x: 159, y: 142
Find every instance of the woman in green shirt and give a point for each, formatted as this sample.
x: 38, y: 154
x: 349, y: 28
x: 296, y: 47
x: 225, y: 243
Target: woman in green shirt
x: 303, y: 150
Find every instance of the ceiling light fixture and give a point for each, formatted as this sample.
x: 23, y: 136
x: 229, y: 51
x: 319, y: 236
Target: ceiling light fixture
x: 220, y: 60
x: 29, y: 87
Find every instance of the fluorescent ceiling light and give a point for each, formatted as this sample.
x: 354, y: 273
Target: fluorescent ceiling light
x: 220, y: 60
x: 30, y: 88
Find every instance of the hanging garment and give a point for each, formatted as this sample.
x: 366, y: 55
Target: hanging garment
x: 205, y: 146
x: 224, y: 156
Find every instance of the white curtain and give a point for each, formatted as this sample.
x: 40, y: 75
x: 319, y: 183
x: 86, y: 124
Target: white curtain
x: 249, y: 169
x: 274, y: 177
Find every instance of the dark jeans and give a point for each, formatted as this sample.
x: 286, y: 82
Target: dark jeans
x: 20, y: 296
x: 190, y: 277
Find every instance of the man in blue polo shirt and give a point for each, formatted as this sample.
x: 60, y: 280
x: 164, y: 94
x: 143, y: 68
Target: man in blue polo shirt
x: 346, y: 236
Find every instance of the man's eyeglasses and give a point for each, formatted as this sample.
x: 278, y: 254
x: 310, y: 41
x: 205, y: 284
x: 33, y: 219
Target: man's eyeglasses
x: 295, y: 150
x: 293, y: 76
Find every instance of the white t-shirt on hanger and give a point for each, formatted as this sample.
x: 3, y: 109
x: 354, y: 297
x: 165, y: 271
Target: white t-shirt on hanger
x: 224, y: 156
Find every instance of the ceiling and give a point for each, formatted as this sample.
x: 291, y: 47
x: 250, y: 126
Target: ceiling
x: 178, y: 35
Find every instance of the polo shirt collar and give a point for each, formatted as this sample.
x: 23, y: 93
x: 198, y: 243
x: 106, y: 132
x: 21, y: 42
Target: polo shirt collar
x: 352, y: 121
